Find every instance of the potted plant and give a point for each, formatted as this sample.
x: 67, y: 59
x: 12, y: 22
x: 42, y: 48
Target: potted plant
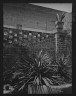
x: 29, y: 73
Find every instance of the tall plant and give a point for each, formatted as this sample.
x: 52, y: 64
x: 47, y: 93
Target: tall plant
x: 28, y: 72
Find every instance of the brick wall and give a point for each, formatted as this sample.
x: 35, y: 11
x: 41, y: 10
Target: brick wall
x: 64, y: 43
x: 33, y: 40
x: 30, y: 16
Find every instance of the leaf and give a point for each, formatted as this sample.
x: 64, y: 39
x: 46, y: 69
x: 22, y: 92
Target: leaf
x: 57, y: 17
x: 33, y: 88
x: 25, y: 83
x: 46, y: 81
x: 38, y: 89
x: 22, y: 87
x: 15, y: 74
x: 47, y: 70
x: 21, y: 77
x: 45, y: 89
x: 40, y: 53
x: 50, y: 81
x: 37, y: 80
x: 29, y: 89
x: 63, y: 15
x: 31, y: 73
x: 42, y: 91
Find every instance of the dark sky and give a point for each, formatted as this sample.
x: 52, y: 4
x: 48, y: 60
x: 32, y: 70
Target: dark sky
x: 67, y: 7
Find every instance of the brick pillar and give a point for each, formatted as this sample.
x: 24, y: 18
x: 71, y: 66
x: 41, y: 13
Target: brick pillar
x: 58, y: 35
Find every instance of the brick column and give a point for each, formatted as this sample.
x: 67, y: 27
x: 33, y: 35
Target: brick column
x: 58, y: 35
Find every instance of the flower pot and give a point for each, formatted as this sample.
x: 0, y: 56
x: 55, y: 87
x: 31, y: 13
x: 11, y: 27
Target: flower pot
x: 59, y: 25
x: 37, y: 89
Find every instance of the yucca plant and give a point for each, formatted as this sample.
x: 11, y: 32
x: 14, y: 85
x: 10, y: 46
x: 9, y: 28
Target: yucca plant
x: 30, y: 73
x: 59, y: 19
x: 65, y: 67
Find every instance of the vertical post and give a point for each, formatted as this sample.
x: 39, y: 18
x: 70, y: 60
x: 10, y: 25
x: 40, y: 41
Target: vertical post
x: 56, y: 43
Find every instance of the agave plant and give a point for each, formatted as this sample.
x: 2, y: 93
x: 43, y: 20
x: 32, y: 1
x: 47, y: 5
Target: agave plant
x: 30, y: 73
x: 65, y: 67
x: 58, y: 17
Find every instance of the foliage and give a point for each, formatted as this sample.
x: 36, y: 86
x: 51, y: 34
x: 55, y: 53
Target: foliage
x: 23, y: 69
x: 58, y: 17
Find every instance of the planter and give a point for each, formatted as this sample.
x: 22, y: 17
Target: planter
x: 37, y: 89
x: 43, y: 89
